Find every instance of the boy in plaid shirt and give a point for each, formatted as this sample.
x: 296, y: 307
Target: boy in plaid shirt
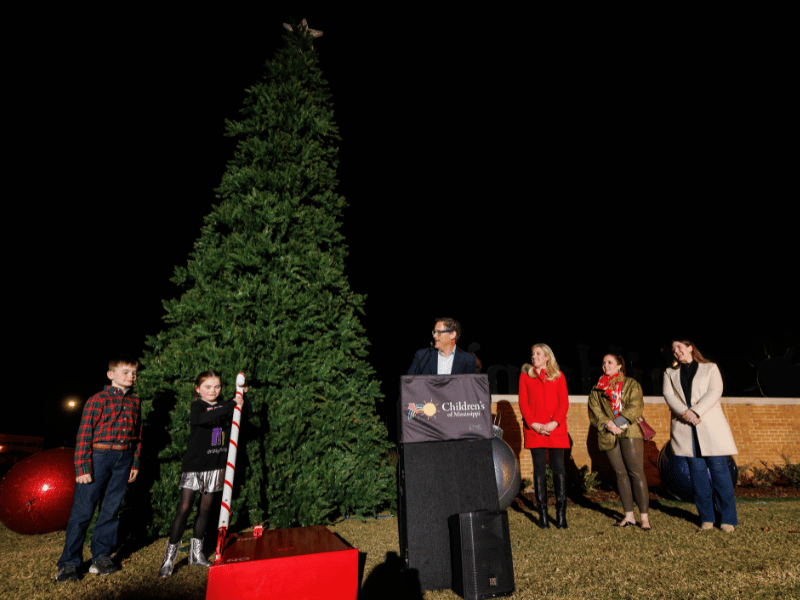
x: 106, y: 460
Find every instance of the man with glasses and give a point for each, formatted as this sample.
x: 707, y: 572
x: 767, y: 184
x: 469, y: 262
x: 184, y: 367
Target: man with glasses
x: 444, y: 358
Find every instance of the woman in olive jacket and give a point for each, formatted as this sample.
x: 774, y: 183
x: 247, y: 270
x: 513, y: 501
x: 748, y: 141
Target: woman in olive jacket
x: 613, y: 397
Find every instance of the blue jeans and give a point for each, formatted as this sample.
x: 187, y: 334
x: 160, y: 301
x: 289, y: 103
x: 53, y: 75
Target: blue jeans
x: 110, y: 472
x: 722, y: 493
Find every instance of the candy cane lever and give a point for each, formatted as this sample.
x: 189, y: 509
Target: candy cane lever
x: 230, y: 469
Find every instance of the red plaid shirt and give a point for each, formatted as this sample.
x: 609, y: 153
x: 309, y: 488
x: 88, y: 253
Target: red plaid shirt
x: 109, y: 417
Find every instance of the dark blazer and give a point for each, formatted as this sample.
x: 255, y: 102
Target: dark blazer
x: 426, y: 362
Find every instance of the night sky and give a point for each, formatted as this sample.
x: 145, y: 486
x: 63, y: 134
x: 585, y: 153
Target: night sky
x: 570, y: 179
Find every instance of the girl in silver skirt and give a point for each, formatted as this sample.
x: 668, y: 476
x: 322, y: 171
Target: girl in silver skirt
x: 203, y: 467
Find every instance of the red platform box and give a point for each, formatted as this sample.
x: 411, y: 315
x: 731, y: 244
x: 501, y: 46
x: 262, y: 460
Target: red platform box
x: 304, y: 563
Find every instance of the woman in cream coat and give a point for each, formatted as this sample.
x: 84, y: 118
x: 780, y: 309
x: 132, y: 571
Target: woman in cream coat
x: 700, y: 432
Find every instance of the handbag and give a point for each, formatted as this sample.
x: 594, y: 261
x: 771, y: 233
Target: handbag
x: 648, y: 432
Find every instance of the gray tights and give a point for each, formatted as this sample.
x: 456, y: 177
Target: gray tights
x: 627, y: 459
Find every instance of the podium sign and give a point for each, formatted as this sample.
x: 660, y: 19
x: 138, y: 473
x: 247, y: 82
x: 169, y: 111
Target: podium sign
x: 437, y: 408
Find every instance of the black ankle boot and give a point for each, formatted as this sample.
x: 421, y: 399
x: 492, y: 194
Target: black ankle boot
x: 560, y: 490
x: 540, y: 489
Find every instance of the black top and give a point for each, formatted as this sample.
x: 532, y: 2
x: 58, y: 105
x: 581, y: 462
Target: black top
x: 688, y: 371
x: 207, y: 449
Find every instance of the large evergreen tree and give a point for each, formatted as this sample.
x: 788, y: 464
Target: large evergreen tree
x: 264, y: 292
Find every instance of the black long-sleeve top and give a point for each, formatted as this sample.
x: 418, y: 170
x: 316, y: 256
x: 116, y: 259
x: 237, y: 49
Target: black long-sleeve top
x: 207, y: 448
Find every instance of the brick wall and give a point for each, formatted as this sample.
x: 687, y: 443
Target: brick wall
x: 764, y: 429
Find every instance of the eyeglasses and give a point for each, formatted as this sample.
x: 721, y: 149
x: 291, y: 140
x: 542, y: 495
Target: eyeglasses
x: 441, y: 331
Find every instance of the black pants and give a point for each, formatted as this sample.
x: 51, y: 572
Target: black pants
x: 556, y: 461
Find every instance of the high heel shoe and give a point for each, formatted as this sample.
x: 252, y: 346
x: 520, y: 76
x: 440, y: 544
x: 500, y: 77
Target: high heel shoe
x: 623, y: 523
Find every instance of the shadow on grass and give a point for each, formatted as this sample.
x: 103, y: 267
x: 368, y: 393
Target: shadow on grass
x: 153, y: 592
x: 131, y: 544
x: 675, y: 511
x: 528, y: 508
x: 526, y: 504
x: 669, y: 508
x: 388, y: 581
x: 584, y: 502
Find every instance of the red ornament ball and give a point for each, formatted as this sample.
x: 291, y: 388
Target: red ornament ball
x: 36, y: 495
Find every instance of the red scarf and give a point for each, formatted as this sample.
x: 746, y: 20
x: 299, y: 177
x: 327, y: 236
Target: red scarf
x: 612, y: 386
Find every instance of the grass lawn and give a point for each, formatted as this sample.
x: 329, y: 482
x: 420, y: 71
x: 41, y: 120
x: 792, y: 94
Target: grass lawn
x: 590, y: 559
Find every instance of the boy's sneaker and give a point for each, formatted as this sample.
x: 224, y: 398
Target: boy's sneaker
x: 66, y: 573
x: 104, y: 566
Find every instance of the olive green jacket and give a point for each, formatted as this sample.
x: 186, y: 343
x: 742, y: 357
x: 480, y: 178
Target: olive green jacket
x: 600, y: 413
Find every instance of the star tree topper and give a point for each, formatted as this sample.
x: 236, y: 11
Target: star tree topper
x: 304, y: 26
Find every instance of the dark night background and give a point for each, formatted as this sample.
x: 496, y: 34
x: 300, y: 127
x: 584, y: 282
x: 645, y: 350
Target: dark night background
x: 583, y: 180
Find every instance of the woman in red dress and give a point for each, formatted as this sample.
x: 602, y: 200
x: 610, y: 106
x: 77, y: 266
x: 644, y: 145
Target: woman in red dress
x: 543, y: 402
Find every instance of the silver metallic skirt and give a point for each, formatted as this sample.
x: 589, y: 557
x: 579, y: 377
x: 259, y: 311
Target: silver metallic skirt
x: 206, y: 481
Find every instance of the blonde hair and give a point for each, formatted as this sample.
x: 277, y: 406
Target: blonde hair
x: 551, y: 369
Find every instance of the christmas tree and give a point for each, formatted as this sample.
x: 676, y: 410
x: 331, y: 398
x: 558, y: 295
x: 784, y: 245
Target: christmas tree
x: 264, y: 292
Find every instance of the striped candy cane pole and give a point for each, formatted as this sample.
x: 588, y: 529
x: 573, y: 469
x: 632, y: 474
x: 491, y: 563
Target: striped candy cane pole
x: 230, y: 469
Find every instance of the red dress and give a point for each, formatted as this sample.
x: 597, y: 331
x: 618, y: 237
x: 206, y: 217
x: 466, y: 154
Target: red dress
x: 542, y: 401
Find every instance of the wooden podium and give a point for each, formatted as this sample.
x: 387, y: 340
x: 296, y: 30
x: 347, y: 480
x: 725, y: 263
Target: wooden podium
x: 304, y: 563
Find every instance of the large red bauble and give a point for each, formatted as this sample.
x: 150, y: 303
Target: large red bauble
x: 36, y: 495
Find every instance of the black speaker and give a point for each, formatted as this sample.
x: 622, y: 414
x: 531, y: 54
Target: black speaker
x: 437, y: 480
x: 481, y: 555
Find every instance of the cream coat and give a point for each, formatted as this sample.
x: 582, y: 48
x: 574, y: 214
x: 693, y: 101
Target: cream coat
x: 713, y: 431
